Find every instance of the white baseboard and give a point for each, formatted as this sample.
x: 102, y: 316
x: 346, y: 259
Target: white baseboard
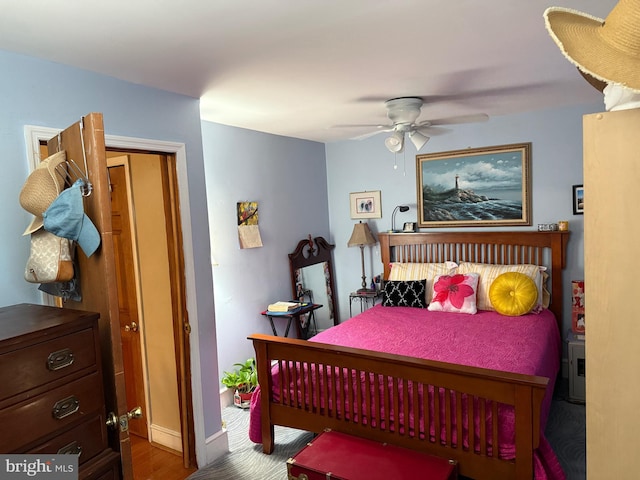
x: 165, y: 437
x: 226, y: 398
x: 216, y: 446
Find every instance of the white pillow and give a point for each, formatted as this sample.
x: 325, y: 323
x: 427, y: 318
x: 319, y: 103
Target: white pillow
x: 455, y: 293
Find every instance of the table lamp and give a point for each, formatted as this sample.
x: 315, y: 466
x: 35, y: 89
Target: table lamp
x: 360, y: 237
x: 402, y: 208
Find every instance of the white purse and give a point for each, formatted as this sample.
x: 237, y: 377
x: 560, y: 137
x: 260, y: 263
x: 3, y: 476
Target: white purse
x: 50, y: 258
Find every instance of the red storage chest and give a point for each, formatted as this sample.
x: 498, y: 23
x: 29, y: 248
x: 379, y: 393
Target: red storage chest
x: 335, y: 455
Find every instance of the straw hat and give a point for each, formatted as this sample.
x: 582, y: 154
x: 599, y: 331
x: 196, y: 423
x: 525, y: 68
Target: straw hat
x: 41, y: 188
x: 608, y: 50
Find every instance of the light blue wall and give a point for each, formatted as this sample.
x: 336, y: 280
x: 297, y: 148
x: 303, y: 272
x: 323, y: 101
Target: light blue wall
x: 47, y: 94
x: 353, y: 166
x: 288, y: 179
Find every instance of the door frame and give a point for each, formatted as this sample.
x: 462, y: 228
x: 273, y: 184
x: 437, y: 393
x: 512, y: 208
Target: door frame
x: 35, y: 134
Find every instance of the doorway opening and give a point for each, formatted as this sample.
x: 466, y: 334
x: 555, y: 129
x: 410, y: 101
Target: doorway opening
x: 151, y: 293
x: 180, y: 438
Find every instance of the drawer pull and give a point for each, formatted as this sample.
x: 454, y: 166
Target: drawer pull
x: 65, y: 407
x: 74, y: 448
x: 60, y: 359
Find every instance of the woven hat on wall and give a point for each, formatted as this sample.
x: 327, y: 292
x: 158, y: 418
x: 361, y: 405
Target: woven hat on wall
x: 41, y: 188
x: 608, y: 50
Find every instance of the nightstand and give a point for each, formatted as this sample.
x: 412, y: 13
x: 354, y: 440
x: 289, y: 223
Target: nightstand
x: 577, y: 372
x: 366, y: 297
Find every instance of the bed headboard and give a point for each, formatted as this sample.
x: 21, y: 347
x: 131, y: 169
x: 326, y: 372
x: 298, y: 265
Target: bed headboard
x: 502, y: 248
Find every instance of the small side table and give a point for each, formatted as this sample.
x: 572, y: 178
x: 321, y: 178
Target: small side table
x: 364, y: 298
x: 577, y: 372
x: 292, y: 315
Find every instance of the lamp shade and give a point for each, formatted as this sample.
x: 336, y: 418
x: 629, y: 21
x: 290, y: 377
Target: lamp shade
x: 395, y: 142
x: 361, y: 235
x: 418, y: 139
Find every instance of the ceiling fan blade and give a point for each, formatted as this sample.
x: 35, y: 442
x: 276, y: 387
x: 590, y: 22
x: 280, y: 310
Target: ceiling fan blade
x: 353, y: 125
x: 431, y: 131
x: 375, y: 130
x: 473, y: 118
x: 371, y: 134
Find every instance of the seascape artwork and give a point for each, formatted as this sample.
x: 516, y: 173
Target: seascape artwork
x: 473, y: 188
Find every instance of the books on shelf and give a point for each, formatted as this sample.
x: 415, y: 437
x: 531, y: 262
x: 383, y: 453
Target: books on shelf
x: 283, y: 307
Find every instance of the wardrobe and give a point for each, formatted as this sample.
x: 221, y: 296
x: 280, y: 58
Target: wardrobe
x: 611, y: 237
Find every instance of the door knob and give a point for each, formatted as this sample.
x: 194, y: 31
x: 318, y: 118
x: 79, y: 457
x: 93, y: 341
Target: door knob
x: 113, y: 421
x: 135, y: 412
x: 133, y: 327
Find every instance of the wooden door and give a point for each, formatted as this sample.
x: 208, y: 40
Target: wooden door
x: 127, y: 299
x: 84, y: 143
x: 181, y: 325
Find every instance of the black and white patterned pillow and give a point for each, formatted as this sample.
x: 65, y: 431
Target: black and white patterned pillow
x: 409, y: 293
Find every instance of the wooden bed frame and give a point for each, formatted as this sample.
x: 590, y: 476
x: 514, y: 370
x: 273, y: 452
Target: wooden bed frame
x: 312, y: 410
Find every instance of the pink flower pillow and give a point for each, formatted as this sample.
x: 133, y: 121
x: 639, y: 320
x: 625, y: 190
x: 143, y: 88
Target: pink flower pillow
x: 455, y: 293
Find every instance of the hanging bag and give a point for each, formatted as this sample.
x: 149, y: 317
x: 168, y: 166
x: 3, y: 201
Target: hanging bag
x: 50, y: 258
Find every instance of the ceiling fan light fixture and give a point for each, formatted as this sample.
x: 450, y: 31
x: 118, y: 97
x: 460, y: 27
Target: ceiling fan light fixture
x: 395, y: 142
x: 418, y: 139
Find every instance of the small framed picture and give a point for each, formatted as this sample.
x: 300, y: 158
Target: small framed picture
x: 365, y: 204
x: 578, y: 200
x: 409, y: 227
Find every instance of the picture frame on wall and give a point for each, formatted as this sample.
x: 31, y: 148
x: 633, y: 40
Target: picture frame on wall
x: 475, y: 187
x: 578, y: 200
x: 365, y: 204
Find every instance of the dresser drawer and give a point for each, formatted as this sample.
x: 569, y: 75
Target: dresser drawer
x: 38, y: 364
x: 105, y: 466
x: 87, y: 439
x: 51, y: 412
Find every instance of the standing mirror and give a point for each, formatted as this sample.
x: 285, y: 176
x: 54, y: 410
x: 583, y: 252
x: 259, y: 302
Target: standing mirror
x: 312, y: 281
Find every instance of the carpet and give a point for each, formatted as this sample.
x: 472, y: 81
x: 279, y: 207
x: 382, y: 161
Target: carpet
x: 566, y: 432
x: 245, y: 460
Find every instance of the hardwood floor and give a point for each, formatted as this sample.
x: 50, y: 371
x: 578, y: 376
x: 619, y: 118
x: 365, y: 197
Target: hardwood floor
x: 153, y: 463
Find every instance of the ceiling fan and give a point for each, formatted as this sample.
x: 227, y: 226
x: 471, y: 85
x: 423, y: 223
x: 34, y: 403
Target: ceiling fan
x: 403, y: 113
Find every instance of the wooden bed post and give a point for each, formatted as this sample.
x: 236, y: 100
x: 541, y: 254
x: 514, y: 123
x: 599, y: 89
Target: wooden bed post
x: 266, y: 385
x: 385, y: 253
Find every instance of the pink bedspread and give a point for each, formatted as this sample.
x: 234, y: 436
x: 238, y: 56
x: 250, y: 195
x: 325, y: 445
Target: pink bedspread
x: 529, y: 345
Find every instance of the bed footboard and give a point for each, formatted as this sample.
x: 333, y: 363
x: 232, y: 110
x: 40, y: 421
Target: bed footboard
x: 447, y: 410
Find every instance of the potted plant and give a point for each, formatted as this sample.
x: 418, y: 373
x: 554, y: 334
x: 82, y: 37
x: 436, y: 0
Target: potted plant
x: 243, y: 380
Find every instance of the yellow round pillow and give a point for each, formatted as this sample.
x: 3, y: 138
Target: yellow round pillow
x: 513, y: 294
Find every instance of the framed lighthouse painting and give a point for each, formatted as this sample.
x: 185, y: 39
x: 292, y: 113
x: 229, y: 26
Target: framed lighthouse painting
x: 475, y: 187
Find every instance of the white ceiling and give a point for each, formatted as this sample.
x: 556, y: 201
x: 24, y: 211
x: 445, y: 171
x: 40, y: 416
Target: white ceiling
x: 299, y: 67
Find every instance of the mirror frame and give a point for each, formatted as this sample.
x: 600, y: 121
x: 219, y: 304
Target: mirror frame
x: 310, y: 252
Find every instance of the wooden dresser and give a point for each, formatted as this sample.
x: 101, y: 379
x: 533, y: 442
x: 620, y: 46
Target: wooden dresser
x: 51, y: 387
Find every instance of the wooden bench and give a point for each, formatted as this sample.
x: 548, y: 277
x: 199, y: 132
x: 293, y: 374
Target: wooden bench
x: 340, y: 456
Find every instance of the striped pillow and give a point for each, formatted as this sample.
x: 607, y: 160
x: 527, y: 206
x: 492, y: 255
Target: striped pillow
x: 489, y: 272
x: 421, y: 271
